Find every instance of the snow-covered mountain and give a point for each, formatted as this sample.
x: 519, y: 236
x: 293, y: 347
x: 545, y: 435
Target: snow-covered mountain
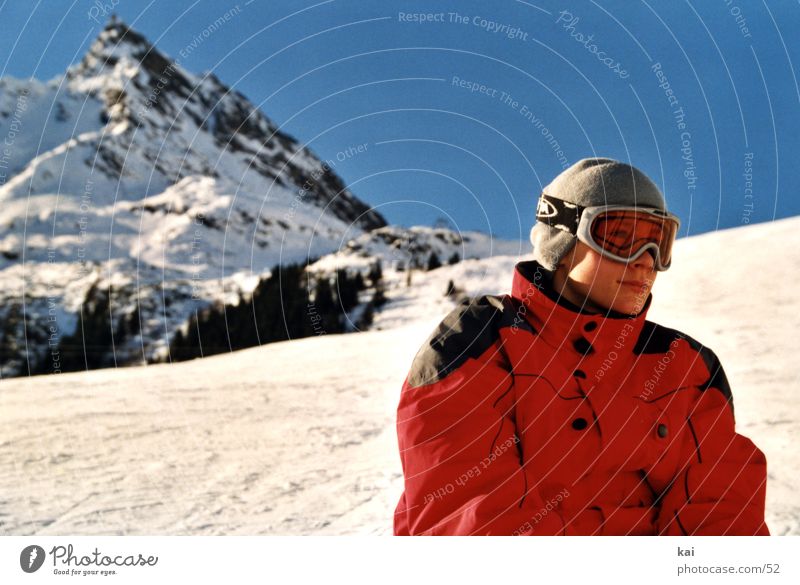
x: 299, y: 437
x: 126, y: 123
x: 416, y: 247
x: 164, y: 189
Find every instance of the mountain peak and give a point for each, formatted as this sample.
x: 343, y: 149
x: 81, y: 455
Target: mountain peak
x: 113, y: 20
x: 146, y: 98
x: 119, y: 48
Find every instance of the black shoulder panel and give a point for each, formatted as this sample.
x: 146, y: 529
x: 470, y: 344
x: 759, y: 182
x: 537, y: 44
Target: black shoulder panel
x: 655, y: 339
x: 466, y: 332
x: 717, y: 379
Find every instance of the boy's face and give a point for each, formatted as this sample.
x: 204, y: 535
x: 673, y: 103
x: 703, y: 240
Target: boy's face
x: 585, y: 275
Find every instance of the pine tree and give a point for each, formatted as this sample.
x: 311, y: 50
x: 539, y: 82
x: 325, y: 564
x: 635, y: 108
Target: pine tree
x: 347, y: 290
x: 325, y: 306
x: 278, y: 309
x: 91, y: 343
x: 177, y: 348
x: 9, y: 343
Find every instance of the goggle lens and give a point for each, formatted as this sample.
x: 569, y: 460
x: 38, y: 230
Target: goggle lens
x: 625, y: 232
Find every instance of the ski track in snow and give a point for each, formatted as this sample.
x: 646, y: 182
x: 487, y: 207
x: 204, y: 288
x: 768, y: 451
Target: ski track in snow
x: 299, y: 437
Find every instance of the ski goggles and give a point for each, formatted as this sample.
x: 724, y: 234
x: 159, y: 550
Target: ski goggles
x: 619, y: 232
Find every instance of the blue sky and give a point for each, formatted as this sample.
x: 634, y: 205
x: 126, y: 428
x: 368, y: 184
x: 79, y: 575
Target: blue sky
x: 582, y: 78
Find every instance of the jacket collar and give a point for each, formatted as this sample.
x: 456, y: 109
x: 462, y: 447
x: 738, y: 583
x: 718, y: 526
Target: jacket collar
x: 564, y: 324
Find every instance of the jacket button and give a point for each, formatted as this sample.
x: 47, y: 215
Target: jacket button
x: 662, y: 430
x: 579, y: 424
x: 579, y: 374
x: 583, y: 346
x: 590, y: 326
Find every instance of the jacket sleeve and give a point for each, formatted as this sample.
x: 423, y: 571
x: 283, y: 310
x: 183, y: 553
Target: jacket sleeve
x: 459, y: 449
x: 721, y: 487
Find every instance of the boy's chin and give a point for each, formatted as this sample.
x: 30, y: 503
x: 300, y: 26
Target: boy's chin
x: 630, y: 309
x: 626, y: 307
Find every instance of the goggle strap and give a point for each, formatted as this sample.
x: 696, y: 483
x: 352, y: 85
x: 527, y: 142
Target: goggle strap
x: 559, y: 214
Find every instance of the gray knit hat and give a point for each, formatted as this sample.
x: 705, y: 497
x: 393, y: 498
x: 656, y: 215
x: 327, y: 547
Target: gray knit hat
x: 591, y: 181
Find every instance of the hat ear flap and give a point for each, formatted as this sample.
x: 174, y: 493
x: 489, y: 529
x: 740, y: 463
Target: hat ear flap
x: 550, y: 245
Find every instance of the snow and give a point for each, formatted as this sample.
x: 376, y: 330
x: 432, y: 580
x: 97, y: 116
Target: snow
x: 208, y: 446
x: 100, y: 168
x: 298, y: 437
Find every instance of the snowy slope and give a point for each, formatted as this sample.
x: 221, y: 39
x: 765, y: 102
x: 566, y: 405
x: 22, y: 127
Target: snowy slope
x: 298, y: 437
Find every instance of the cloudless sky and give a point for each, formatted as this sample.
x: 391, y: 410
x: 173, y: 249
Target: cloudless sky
x: 338, y: 74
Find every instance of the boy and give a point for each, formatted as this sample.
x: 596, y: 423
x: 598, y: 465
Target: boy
x: 559, y: 409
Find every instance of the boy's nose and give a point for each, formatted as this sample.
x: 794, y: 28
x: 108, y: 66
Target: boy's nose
x: 646, y: 260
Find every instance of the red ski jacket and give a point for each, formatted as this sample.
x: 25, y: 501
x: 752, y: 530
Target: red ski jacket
x: 524, y: 415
